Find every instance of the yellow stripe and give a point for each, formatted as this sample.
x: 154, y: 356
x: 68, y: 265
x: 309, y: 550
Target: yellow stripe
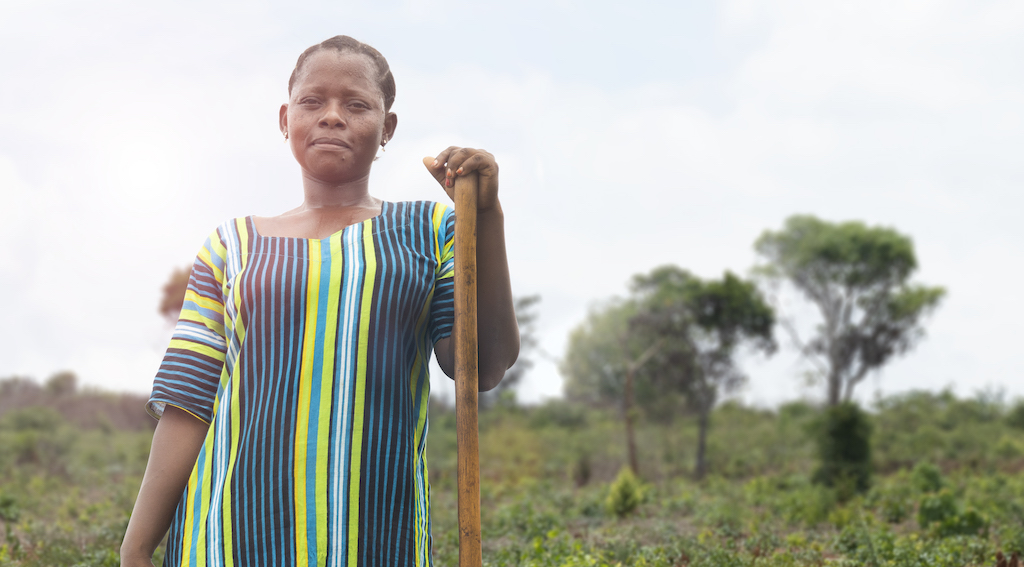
x: 217, y: 250
x: 236, y: 410
x: 421, y: 322
x: 195, y: 347
x: 302, y: 419
x: 436, y: 219
x: 200, y: 301
x: 355, y: 459
x: 190, y: 501
x: 323, y: 437
x: 195, y: 317
x: 204, y: 510
x: 420, y: 524
x: 207, y: 257
x: 232, y: 458
x: 243, y: 239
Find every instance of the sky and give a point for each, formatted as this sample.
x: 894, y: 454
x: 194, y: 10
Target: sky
x: 629, y: 135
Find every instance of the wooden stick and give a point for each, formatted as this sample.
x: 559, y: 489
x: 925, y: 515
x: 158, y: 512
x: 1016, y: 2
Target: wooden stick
x: 467, y: 379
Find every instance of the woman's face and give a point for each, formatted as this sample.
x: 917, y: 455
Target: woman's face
x: 335, y: 118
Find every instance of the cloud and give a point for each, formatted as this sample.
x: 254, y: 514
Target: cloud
x: 619, y: 152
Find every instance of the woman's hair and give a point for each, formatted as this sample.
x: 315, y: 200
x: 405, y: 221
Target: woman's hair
x: 346, y: 44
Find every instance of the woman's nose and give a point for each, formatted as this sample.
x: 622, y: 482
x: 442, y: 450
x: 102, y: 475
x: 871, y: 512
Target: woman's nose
x: 334, y: 116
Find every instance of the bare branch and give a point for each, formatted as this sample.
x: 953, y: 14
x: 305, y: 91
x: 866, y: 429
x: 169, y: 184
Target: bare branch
x: 806, y: 351
x: 647, y: 354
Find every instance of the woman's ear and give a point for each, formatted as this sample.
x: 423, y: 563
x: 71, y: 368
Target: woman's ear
x: 390, y: 124
x: 282, y: 119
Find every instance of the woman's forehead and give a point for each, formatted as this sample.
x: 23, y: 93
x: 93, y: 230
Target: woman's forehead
x: 329, y: 65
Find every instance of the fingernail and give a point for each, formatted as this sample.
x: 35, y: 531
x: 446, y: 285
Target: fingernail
x: 448, y: 172
x: 459, y: 171
x: 447, y: 182
x: 434, y: 164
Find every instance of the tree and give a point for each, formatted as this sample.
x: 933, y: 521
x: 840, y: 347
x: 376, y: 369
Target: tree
x: 173, y: 296
x: 602, y: 360
x: 526, y: 317
x: 857, y: 276
x: 676, y: 336
x: 703, y: 323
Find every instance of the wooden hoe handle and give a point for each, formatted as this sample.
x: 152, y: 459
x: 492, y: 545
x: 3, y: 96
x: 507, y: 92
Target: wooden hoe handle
x: 467, y: 381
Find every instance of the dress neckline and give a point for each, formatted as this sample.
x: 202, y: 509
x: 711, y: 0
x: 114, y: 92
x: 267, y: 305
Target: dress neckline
x: 384, y: 205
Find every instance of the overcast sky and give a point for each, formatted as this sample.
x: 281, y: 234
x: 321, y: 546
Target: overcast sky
x: 629, y: 135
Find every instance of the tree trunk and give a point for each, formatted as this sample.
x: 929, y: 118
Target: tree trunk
x: 835, y: 385
x: 627, y: 411
x: 700, y: 469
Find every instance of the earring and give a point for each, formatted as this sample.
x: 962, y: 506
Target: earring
x: 286, y: 134
x: 382, y: 144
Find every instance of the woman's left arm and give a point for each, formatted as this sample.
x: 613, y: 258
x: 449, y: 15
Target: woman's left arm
x: 496, y: 318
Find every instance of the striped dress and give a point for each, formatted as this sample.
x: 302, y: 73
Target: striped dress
x: 309, y: 360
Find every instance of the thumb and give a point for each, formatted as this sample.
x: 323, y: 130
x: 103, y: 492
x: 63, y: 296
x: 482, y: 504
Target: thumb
x: 436, y: 169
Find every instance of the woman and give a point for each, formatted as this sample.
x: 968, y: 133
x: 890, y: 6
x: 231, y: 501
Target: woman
x: 292, y: 399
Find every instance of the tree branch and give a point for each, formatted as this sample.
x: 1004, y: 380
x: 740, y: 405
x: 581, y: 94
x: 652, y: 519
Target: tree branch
x: 805, y: 350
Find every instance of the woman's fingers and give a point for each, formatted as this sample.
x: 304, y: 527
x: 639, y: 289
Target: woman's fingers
x: 455, y: 161
x: 481, y: 162
x: 435, y: 167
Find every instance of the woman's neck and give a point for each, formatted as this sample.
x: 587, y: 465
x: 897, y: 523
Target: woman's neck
x: 322, y: 195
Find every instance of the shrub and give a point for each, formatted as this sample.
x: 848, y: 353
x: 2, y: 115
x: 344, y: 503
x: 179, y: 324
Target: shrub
x: 1015, y: 417
x: 844, y: 450
x: 624, y: 495
x: 558, y: 413
x: 941, y: 514
x: 580, y: 470
x: 1008, y: 447
x: 809, y: 504
x: 894, y: 508
x: 926, y: 477
x: 936, y: 508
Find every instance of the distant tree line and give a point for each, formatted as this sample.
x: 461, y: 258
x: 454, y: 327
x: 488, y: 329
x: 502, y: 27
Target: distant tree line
x: 670, y: 346
x: 84, y: 407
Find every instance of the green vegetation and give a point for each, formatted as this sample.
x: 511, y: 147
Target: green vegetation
x: 948, y: 487
x: 66, y: 492
x: 844, y: 449
x: 624, y: 494
x: 759, y: 504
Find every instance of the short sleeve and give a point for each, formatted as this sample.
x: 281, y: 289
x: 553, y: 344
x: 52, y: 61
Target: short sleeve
x: 190, y: 372
x: 442, y: 309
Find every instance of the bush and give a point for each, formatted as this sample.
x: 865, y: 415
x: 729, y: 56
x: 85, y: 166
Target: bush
x: 558, y: 413
x: 941, y: 514
x: 809, y: 505
x: 894, y: 499
x: 926, y: 477
x: 937, y: 508
x: 624, y: 495
x: 844, y: 450
x: 1015, y: 417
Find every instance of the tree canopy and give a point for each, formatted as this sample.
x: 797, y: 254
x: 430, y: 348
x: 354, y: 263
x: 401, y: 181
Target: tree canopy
x: 858, y: 278
x: 173, y: 293
x: 673, y: 339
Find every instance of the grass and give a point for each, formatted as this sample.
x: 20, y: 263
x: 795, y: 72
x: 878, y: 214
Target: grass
x: 948, y: 490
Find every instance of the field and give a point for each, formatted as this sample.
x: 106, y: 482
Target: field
x: 948, y: 487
